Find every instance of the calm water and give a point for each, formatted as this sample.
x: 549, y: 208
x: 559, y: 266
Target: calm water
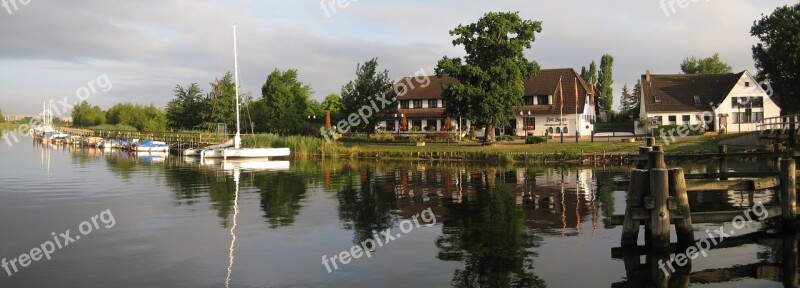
x: 175, y: 222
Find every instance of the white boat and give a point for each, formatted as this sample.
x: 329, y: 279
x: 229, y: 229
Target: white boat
x: 150, y: 145
x: 236, y: 151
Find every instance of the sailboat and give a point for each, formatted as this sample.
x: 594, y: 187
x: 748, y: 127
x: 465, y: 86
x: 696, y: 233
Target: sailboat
x: 225, y: 150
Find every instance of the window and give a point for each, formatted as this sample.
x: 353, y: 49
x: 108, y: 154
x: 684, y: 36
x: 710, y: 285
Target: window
x: 416, y: 123
x: 550, y: 130
x: 657, y: 98
x: 528, y: 100
x: 696, y: 100
x: 748, y: 116
x: 529, y: 123
x: 565, y: 130
x: 433, y: 103
x: 543, y: 100
x: 747, y: 84
x: 417, y: 104
x: 660, y: 120
x: 673, y: 120
x: 686, y: 119
x: 404, y: 104
x: 758, y: 102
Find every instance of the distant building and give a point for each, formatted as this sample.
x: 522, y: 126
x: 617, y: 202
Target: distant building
x: 544, y: 109
x: 729, y: 102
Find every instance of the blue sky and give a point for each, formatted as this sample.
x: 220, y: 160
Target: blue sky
x: 50, y: 49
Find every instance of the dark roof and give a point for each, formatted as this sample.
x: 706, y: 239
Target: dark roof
x: 678, y: 91
x: 544, y: 83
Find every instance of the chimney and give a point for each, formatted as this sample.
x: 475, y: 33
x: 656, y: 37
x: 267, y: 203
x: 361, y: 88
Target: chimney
x: 647, y: 76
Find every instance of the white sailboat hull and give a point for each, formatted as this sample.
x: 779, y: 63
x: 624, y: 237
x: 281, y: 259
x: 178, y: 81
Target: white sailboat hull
x: 244, y: 153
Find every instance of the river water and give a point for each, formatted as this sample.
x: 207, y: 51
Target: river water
x: 148, y: 221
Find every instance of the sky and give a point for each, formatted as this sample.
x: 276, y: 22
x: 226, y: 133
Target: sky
x: 60, y: 50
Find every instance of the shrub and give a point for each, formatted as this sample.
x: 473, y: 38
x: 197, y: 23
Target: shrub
x: 381, y: 137
x: 430, y: 128
x: 442, y: 137
x: 688, y: 130
x: 415, y: 128
x: 535, y: 140
x: 416, y: 138
x: 505, y: 138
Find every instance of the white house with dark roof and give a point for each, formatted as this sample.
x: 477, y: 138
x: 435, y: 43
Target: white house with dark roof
x: 721, y: 102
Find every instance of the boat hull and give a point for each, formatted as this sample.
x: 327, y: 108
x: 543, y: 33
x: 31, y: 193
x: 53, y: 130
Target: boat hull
x: 245, y: 153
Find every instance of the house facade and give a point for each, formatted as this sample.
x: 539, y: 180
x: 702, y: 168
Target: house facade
x: 555, y: 101
x: 719, y: 102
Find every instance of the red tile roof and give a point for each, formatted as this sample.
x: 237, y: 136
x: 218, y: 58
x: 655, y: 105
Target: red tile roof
x: 678, y: 91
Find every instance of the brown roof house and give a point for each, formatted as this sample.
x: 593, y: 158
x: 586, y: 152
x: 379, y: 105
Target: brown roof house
x: 714, y: 102
x: 555, y: 101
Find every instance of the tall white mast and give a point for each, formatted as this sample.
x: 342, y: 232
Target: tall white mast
x: 237, y: 140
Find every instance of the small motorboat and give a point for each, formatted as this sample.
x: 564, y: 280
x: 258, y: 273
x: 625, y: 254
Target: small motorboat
x: 150, y: 145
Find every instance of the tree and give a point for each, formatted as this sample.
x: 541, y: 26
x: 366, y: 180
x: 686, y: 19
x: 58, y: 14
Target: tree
x: 189, y: 109
x: 333, y: 103
x: 710, y: 65
x: 86, y: 115
x: 223, y: 103
x: 629, y: 103
x: 491, y: 75
x: 589, y: 75
x: 369, y: 84
x: 283, y: 103
x: 777, y: 56
x: 2, y: 118
x: 605, y: 94
x: 143, y: 118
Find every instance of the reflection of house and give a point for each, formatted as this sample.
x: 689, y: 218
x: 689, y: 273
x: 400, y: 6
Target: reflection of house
x: 544, y: 109
x: 732, y: 102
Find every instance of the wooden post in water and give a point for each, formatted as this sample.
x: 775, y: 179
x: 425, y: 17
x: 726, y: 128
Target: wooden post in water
x: 636, y: 190
x: 723, y: 161
x: 677, y: 189
x: 643, y: 152
x: 656, y: 158
x: 659, y: 215
x: 650, y: 141
x: 788, y: 194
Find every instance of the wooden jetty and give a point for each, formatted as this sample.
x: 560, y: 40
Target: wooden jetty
x: 658, y: 198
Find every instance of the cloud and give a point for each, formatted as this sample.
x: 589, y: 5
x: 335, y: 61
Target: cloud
x: 148, y: 47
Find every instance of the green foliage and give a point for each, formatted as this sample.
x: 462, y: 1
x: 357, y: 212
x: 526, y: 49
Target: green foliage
x: 86, y: 115
x: 672, y: 130
x: 382, y: 137
x: 369, y: 84
x: 535, y: 140
x: 506, y: 138
x: 416, y: 138
x: 777, y: 55
x: 589, y: 75
x: 189, y: 109
x: 316, y: 111
x: 605, y: 78
x: 223, y: 103
x: 491, y: 75
x: 333, y: 102
x: 143, y: 118
x: 283, y: 105
x: 300, y: 145
x: 2, y: 118
x: 710, y: 65
x: 112, y: 129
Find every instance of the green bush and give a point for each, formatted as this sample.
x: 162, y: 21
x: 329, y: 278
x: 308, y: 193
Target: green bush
x: 505, y: 138
x: 416, y: 138
x: 535, y: 140
x: 382, y: 137
x: 688, y: 130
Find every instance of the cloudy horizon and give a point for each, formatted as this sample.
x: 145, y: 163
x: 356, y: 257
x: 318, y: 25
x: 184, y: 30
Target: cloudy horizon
x: 146, y: 48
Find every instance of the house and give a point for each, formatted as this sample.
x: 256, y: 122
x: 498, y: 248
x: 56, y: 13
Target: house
x: 546, y: 109
x: 717, y: 102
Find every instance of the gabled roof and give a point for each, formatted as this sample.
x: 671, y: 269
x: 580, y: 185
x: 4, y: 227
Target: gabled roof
x: 677, y: 91
x: 544, y: 83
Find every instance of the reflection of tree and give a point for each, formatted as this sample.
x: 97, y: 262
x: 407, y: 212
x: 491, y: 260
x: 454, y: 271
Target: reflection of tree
x: 281, y: 194
x: 487, y: 235
x: 189, y: 183
x: 365, y: 208
x: 605, y: 189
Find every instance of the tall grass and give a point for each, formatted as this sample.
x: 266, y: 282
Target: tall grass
x: 300, y: 145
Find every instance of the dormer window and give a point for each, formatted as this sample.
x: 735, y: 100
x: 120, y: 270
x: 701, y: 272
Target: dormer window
x: 696, y: 100
x: 657, y: 98
x: 747, y: 84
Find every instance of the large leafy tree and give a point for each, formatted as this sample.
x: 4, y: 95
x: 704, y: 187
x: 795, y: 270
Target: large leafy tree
x: 283, y: 105
x: 605, y: 78
x: 589, y: 75
x: 223, y: 103
x: 369, y: 84
x: 143, y: 118
x: 189, y: 109
x: 86, y: 115
x: 710, y: 65
x: 777, y: 55
x: 491, y: 75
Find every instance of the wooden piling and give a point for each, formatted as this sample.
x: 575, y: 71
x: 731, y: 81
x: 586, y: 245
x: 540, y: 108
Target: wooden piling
x: 643, y: 151
x: 636, y: 190
x: 659, y: 216
x: 677, y: 190
x: 656, y: 158
x: 650, y: 141
x: 788, y: 193
x: 723, y: 161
